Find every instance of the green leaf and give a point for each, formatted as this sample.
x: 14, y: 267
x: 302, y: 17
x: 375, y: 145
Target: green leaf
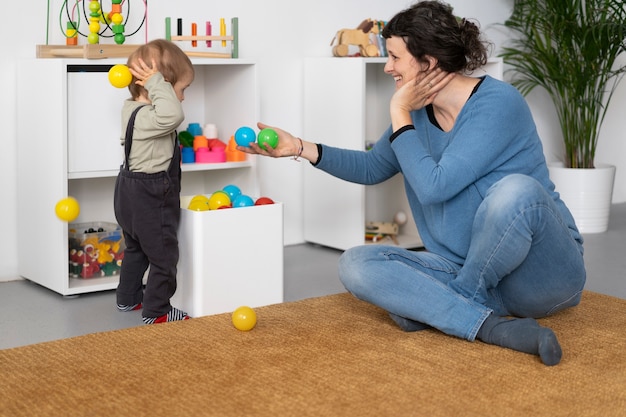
x: 570, y: 49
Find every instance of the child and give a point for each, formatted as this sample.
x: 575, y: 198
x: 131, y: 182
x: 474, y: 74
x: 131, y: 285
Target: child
x: 147, y: 190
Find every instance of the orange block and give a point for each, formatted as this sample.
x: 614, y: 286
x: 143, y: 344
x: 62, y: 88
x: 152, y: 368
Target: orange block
x: 232, y: 154
x: 200, y: 142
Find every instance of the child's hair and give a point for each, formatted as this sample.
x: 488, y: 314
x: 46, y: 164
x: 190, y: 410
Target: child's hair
x: 171, y: 61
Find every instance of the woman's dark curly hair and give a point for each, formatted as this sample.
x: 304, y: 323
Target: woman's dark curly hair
x: 430, y: 28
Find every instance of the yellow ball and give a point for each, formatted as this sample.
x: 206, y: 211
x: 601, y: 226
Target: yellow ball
x: 199, y: 203
x: 200, y: 197
x: 120, y: 76
x: 218, y: 200
x: 244, y: 318
x: 67, y: 209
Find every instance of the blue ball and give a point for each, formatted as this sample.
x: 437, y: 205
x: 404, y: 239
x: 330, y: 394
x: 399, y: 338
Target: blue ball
x: 243, y: 201
x: 232, y: 190
x: 244, y: 136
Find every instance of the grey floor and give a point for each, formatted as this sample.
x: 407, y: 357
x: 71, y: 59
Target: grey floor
x: 32, y: 314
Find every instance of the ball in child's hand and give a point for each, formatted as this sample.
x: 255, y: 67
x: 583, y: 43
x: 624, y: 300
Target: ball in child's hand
x: 269, y: 137
x: 67, y: 209
x: 244, y: 318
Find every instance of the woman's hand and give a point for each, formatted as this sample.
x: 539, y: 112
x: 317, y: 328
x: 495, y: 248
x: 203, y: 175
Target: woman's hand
x: 288, y: 145
x: 416, y: 94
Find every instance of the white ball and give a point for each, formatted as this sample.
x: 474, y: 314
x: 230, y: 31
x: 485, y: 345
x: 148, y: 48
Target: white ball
x: 400, y: 218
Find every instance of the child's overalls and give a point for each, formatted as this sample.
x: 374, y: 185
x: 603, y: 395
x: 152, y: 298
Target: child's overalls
x: 147, y: 207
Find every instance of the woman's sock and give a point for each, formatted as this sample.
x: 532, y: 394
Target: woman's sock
x: 174, y: 315
x: 523, y: 335
x: 134, y: 307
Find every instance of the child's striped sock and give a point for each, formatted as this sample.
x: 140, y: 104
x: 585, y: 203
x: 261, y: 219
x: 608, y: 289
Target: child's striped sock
x: 174, y: 315
x: 134, y: 307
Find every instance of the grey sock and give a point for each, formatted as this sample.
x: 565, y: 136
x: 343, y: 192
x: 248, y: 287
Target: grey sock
x: 523, y: 335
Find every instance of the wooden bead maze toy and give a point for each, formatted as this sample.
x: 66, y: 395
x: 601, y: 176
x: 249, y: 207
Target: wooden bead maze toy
x: 101, y: 24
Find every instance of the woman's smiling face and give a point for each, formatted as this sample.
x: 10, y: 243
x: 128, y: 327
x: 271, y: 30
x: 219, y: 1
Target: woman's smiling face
x: 401, y: 64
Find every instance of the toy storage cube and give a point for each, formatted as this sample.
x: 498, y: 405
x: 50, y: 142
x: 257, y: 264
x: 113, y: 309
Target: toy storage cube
x: 229, y: 258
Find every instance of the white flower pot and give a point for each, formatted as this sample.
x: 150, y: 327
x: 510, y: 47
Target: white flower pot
x: 587, y: 193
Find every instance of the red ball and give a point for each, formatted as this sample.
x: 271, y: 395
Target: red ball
x: 263, y: 200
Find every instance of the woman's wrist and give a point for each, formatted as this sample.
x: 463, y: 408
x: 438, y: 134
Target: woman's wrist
x: 298, y: 151
x: 306, y: 150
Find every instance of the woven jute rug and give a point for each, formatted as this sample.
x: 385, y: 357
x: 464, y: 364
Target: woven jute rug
x: 327, y: 356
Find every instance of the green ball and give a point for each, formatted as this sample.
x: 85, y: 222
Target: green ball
x: 267, y: 136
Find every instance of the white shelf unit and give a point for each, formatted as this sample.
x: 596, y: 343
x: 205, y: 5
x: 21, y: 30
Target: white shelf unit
x: 68, y: 144
x: 347, y: 106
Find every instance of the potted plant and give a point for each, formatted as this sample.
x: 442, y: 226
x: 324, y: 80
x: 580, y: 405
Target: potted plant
x: 571, y: 48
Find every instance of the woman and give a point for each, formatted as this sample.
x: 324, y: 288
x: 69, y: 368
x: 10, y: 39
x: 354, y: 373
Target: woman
x: 499, y: 241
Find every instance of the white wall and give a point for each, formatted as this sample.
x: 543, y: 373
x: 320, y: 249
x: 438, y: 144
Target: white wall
x: 277, y: 34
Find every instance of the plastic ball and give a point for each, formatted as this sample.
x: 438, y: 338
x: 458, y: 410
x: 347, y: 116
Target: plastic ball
x: 67, y: 209
x: 120, y: 76
x: 243, y: 201
x: 263, y: 201
x: 244, y: 136
x: 200, y: 197
x: 218, y: 200
x: 232, y: 190
x: 268, y: 137
x: 244, y: 318
x: 199, y: 203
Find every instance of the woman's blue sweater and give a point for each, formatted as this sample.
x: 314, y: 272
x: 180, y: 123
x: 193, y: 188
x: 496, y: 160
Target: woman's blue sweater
x: 447, y: 174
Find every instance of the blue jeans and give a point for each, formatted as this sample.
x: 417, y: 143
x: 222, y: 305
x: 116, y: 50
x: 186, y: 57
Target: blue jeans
x: 522, y: 261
